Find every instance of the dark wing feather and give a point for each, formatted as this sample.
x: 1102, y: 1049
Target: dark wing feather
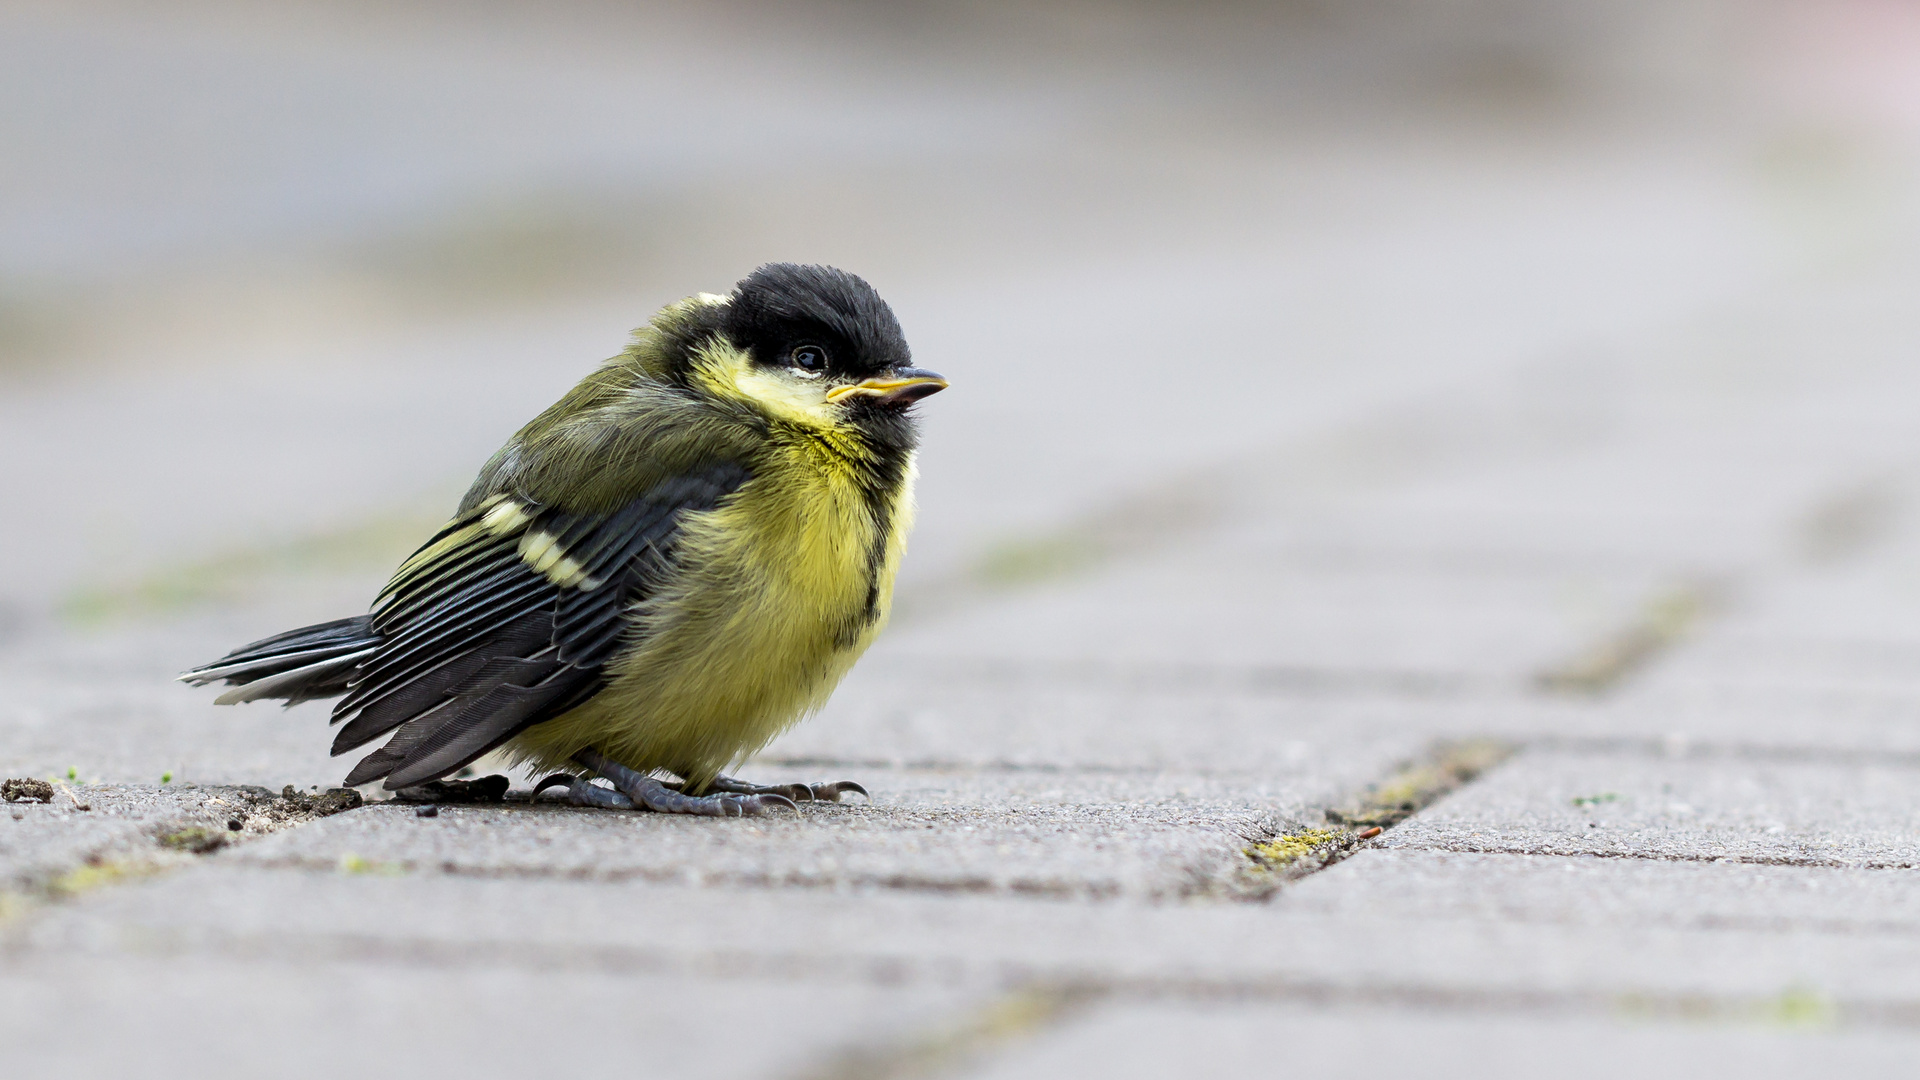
x: 299, y: 665
x: 478, y: 643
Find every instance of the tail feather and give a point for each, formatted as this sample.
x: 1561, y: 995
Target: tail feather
x: 328, y: 678
x: 299, y: 665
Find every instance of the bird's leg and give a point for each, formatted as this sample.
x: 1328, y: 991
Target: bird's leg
x: 798, y: 792
x: 644, y: 791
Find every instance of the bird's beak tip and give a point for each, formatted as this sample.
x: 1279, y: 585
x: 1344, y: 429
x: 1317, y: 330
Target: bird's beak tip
x: 903, y: 387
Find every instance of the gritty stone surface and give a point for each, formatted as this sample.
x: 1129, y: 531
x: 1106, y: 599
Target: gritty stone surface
x: 1237, y: 604
x: 139, y: 828
x: 1776, y: 808
x: 227, y: 1016
x: 1398, y: 952
x: 1313, y: 734
x: 1049, y: 834
x: 1583, y: 890
x: 90, y: 825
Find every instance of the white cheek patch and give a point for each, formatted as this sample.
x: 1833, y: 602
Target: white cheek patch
x: 777, y: 391
x: 784, y: 395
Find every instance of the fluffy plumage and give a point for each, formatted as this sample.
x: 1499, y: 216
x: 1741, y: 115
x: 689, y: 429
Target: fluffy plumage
x: 669, y: 566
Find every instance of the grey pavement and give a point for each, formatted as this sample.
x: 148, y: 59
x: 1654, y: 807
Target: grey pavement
x: 1538, y: 490
x: 1143, y: 1041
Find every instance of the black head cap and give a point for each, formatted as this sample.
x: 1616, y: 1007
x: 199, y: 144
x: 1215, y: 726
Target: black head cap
x: 782, y: 305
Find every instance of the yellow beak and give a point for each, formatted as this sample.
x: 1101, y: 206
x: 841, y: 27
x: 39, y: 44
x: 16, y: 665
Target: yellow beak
x: 905, y: 385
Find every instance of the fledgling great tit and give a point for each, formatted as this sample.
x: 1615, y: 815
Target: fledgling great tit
x: 659, y: 574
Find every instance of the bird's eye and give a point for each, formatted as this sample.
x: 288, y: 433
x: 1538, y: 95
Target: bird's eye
x: 808, y: 358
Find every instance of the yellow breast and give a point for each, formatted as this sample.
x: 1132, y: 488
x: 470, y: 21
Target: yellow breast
x: 781, y: 589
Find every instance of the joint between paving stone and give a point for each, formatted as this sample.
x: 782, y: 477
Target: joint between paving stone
x: 1033, y: 1008
x: 1793, y: 1005
x: 1293, y: 853
x: 1666, y: 619
x: 1036, y: 1001
x: 969, y: 885
x: 1016, y: 1016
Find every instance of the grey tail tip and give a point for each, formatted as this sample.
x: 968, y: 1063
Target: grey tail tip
x: 299, y: 665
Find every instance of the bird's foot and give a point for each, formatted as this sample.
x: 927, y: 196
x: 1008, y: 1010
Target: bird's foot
x: 636, y: 790
x: 829, y: 792
x: 584, y: 792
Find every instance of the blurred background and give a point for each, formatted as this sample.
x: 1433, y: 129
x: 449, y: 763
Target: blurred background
x: 276, y: 277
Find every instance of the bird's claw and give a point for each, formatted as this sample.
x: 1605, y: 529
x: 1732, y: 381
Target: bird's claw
x: 636, y: 790
x: 832, y: 792
x: 584, y: 792
x: 824, y: 792
x: 755, y: 805
x: 666, y: 800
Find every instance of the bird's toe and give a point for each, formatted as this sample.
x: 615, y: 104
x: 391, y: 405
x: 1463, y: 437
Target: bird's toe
x: 583, y: 792
x: 832, y: 792
x: 756, y: 805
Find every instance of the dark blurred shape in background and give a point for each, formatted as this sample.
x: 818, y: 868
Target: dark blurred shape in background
x: 275, y: 271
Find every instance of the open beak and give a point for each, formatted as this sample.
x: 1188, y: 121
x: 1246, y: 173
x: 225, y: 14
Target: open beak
x: 904, y: 386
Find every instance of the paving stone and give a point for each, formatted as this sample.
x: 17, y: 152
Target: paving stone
x: 1850, y: 631
x: 1332, y: 1043
x: 1814, y: 721
x: 1322, y: 731
x: 232, y: 1017
x: 1045, y: 833
x: 225, y: 905
x: 1797, y: 809
x: 1586, y: 890
x: 1234, y: 607
x: 95, y: 825
x: 38, y: 844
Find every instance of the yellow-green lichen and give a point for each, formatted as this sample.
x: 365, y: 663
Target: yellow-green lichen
x: 1798, y: 1007
x: 1667, y: 618
x: 1004, y: 1021
x: 1284, y: 850
x: 1420, y: 783
x: 356, y: 864
x: 1299, y: 851
x: 98, y: 875
x: 197, y: 839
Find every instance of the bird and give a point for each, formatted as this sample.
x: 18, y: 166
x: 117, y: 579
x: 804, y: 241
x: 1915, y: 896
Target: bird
x: 656, y: 576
